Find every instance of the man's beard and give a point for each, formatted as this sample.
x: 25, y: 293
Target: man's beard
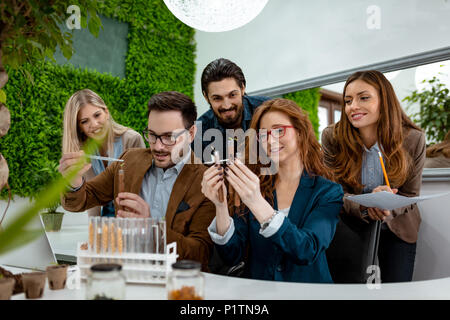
x: 174, y: 155
x: 229, y: 122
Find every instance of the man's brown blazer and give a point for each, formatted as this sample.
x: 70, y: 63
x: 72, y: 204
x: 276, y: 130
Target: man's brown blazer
x: 185, y: 224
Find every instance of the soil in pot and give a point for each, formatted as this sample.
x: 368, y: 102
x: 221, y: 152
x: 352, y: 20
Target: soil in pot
x: 18, y: 287
x: 6, y: 288
x: 57, y: 276
x: 33, y: 284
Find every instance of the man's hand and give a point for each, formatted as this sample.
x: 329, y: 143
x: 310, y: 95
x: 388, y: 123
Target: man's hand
x: 133, y: 206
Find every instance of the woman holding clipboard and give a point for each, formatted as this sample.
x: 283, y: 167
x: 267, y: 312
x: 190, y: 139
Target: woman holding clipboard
x: 372, y: 124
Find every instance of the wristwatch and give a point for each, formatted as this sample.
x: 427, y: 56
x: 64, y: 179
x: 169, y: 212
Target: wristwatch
x: 70, y: 189
x: 266, y: 223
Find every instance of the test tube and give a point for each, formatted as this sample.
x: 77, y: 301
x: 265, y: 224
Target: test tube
x: 112, y: 236
x: 105, y: 233
x: 217, y: 161
x: 155, y: 235
x: 162, y: 235
x: 121, y: 185
x: 230, y: 152
x: 237, y: 200
x: 120, y: 237
x: 91, y: 233
x: 98, y: 234
x: 129, y: 235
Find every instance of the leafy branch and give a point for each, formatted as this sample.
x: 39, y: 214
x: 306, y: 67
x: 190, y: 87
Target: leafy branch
x: 17, y: 234
x: 434, y: 112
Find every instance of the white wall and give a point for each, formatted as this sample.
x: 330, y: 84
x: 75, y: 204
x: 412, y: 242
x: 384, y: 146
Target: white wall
x: 293, y: 40
x: 433, y: 245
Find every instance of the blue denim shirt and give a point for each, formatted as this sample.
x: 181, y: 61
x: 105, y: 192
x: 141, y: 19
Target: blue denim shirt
x: 371, y: 171
x: 98, y: 167
x: 209, y: 120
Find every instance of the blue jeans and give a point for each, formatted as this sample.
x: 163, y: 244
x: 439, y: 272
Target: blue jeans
x: 396, y: 258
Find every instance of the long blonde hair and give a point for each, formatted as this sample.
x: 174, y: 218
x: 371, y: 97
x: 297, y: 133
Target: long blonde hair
x: 73, y: 137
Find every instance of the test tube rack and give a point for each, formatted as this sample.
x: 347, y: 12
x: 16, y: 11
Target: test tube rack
x: 150, y: 268
x: 138, y: 244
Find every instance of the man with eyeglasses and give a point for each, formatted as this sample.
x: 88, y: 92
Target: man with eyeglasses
x: 163, y: 181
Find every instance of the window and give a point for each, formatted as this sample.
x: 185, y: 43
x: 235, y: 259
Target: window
x: 329, y: 108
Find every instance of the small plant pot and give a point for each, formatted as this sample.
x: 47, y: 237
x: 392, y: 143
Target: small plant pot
x: 6, y: 288
x: 34, y: 284
x: 52, y: 221
x: 57, y: 276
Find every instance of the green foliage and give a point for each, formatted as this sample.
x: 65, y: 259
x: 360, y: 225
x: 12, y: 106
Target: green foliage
x: 17, y: 234
x: 308, y: 100
x: 434, y: 112
x: 161, y: 54
x: 30, y: 29
x: 2, y: 96
x: 48, y: 173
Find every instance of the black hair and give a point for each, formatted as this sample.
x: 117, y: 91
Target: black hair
x: 220, y: 69
x: 173, y: 100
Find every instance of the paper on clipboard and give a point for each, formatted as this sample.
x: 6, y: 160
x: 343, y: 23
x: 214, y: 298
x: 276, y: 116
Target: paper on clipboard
x: 389, y: 201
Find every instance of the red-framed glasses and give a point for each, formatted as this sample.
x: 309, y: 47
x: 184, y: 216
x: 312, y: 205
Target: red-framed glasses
x: 276, y: 133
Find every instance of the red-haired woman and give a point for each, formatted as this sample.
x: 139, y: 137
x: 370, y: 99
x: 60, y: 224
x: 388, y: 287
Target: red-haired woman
x: 290, y: 217
x: 373, y: 121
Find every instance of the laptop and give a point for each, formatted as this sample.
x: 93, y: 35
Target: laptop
x: 35, y: 255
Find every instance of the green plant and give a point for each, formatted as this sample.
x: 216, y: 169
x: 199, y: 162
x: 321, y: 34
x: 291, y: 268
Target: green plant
x: 161, y: 55
x: 16, y: 234
x: 30, y: 30
x: 44, y: 176
x: 308, y: 100
x: 434, y: 111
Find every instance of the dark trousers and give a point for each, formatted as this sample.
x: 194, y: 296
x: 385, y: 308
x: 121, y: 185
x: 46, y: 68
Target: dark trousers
x: 396, y: 258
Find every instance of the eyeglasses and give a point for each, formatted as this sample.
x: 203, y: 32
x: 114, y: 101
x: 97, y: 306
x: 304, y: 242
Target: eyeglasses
x: 276, y: 133
x: 166, y: 139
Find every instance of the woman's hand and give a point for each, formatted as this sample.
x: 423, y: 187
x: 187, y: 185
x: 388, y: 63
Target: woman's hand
x: 211, y: 183
x: 378, y: 214
x: 244, y: 182
x: 132, y: 206
x: 68, y: 161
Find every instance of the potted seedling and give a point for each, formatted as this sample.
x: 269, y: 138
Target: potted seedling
x: 6, y: 287
x: 34, y: 284
x: 18, y: 287
x: 51, y: 217
x: 57, y: 275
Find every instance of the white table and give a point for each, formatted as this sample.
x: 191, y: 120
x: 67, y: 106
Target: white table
x: 228, y: 288
x: 219, y: 287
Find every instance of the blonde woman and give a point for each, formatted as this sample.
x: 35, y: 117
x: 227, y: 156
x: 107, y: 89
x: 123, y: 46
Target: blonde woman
x: 86, y: 116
